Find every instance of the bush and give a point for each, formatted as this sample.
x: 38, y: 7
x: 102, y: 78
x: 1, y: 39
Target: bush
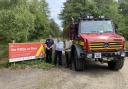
x: 16, y: 24
x: 126, y: 44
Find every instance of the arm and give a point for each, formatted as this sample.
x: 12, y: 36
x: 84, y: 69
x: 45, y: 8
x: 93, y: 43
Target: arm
x: 69, y: 44
x: 67, y: 48
x: 52, y: 44
x: 46, y: 45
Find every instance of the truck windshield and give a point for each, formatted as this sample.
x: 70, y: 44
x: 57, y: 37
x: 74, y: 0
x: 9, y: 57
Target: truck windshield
x: 96, y: 27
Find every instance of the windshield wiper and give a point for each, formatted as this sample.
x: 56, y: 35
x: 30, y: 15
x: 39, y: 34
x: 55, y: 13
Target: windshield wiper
x: 107, y: 31
x: 93, y: 32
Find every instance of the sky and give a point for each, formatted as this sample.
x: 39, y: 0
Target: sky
x: 55, y: 7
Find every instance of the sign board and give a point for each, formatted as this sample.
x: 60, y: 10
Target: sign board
x: 25, y: 51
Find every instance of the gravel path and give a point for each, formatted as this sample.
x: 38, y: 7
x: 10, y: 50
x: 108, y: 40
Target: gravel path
x: 94, y: 77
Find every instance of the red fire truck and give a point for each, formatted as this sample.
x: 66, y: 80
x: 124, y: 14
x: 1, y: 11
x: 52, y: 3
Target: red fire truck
x: 96, y: 39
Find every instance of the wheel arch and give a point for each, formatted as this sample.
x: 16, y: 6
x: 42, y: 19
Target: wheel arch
x: 78, y: 48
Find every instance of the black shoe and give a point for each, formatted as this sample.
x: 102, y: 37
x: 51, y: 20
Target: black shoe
x: 60, y: 64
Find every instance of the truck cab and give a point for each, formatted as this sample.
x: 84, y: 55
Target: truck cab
x: 96, y: 39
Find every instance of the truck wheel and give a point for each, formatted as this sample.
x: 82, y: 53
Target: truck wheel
x: 79, y: 64
x: 116, y: 65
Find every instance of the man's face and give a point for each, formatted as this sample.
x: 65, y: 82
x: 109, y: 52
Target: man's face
x: 50, y: 36
x: 58, y: 39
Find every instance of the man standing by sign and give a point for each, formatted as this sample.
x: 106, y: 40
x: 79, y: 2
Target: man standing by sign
x: 49, y: 46
x: 58, y: 51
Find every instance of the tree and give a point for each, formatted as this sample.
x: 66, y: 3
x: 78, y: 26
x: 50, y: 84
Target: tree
x: 110, y: 9
x: 78, y: 8
x: 23, y: 20
x: 124, y: 11
x: 55, y: 30
x: 16, y: 22
x: 75, y: 9
x: 42, y: 24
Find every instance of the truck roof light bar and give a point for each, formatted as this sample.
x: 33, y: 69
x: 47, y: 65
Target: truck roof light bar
x: 93, y: 18
x: 90, y: 17
x: 101, y: 17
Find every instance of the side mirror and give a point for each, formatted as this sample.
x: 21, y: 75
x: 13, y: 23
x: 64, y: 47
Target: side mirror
x: 78, y: 35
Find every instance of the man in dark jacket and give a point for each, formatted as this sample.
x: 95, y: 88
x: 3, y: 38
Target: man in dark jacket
x: 49, y: 47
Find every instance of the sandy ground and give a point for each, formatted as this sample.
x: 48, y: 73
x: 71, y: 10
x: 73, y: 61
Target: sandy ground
x: 94, y: 77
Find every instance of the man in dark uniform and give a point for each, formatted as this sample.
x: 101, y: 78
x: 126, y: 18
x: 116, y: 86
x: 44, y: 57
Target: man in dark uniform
x: 49, y: 46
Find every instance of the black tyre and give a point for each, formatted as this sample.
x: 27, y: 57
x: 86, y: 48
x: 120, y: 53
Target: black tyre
x: 79, y: 64
x: 116, y: 64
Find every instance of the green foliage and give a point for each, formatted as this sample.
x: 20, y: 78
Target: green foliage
x: 4, y: 64
x: 55, y: 30
x: 4, y: 52
x: 26, y: 64
x: 126, y: 44
x: 42, y: 26
x: 24, y: 20
x: 4, y: 49
x: 75, y: 9
x: 108, y: 8
x: 30, y: 64
x: 15, y: 25
x: 124, y: 12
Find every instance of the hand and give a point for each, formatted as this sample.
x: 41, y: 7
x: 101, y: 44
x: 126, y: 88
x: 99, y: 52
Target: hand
x: 51, y: 47
x: 66, y: 49
x: 48, y: 48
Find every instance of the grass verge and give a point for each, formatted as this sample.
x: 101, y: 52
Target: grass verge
x: 3, y: 50
x: 26, y: 64
x: 4, y: 64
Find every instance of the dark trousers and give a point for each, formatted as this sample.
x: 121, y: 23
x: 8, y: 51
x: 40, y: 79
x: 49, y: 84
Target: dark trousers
x: 49, y: 56
x: 68, y: 58
x: 58, y: 54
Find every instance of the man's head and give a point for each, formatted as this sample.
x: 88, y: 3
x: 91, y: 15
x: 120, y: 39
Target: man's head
x: 50, y: 36
x: 58, y: 39
x: 68, y: 39
x: 13, y: 41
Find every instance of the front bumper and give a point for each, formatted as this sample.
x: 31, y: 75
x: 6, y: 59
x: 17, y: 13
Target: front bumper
x: 100, y: 55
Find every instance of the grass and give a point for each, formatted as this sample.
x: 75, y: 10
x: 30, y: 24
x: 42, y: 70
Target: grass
x: 3, y: 49
x: 26, y: 64
x: 126, y: 44
x: 4, y: 64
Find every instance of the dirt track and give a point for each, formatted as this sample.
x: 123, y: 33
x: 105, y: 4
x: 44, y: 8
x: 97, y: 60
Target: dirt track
x: 94, y: 77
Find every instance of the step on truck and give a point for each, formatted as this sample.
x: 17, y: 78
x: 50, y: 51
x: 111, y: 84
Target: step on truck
x: 96, y: 39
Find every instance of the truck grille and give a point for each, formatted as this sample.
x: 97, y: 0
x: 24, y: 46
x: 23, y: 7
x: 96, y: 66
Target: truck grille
x: 105, y: 45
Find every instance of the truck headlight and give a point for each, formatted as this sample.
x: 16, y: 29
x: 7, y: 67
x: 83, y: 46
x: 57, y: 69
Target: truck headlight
x: 117, y: 53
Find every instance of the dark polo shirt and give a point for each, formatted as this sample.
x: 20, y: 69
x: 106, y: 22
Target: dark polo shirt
x: 49, y: 43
